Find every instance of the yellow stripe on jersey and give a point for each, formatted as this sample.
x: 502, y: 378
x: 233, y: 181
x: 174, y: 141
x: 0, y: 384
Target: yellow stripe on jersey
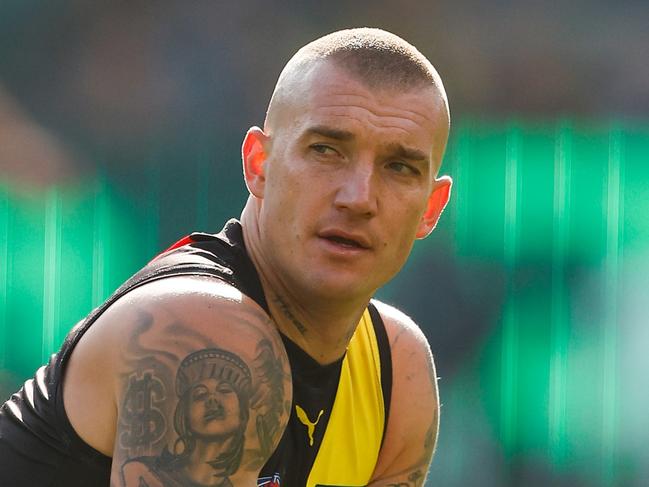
x: 351, y: 444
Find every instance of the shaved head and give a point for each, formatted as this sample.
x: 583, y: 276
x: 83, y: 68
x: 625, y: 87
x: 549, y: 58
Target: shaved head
x: 377, y: 57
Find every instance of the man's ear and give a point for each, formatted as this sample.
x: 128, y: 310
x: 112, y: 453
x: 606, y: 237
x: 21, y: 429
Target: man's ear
x: 253, y: 157
x: 437, y: 200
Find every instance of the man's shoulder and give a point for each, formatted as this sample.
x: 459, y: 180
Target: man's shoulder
x: 172, y: 289
x: 190, y: 339
x: 399, y: 326
x: 197, y: 302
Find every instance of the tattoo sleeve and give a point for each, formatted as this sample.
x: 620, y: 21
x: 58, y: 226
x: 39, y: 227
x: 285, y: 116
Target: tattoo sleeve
x: 199, y: 408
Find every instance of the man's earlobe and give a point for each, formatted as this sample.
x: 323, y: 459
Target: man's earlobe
x: 253, y: 157
x: 437, y: 201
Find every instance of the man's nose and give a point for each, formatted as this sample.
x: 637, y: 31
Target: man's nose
x: 357, y: 192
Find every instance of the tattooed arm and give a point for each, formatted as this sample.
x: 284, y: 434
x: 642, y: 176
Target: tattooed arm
x: 198, y: 380
x: 414, y: 410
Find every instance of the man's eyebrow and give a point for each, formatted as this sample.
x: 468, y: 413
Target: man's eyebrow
x: 330, y: 133
x: 398, y: 150
x: 408, y: 153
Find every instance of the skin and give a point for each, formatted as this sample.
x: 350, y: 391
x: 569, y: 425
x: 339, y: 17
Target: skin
x: 343, y: 179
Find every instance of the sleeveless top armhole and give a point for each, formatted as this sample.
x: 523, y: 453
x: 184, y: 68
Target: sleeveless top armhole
x: 386, y: 361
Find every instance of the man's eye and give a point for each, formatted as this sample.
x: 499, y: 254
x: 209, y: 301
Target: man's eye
x: 323, y: 149
x: 403, y: 168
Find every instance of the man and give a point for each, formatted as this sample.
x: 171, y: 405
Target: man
x: 256, y: 355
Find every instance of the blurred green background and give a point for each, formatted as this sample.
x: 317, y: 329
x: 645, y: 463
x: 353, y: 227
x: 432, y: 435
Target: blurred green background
x: 120, y: 127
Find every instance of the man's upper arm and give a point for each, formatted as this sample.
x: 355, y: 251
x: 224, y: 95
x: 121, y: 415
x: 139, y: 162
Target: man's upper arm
x: 413, y: 423
x: 202, y: 385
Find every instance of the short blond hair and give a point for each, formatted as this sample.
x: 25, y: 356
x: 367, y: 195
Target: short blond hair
x: 377, y: 57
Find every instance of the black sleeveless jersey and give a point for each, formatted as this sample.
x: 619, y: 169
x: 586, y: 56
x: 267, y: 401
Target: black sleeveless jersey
x: 339, y: 411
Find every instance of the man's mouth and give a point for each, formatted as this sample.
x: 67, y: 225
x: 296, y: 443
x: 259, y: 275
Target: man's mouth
x: 346, y: 242
x: 345, y: 239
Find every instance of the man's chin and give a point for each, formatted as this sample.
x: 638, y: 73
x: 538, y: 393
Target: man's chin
x: 339, y: 287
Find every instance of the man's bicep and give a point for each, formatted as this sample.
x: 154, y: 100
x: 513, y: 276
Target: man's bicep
x: 203, y: 391
x: 409, y: 467
x: 410, y: 470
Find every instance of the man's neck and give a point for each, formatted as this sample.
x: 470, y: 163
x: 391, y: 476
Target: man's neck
x: 322, y: 327
x: 323, y: 333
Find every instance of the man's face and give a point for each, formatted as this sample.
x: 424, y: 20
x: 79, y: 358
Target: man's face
x: 213, y: 409
x: 348, y: 176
